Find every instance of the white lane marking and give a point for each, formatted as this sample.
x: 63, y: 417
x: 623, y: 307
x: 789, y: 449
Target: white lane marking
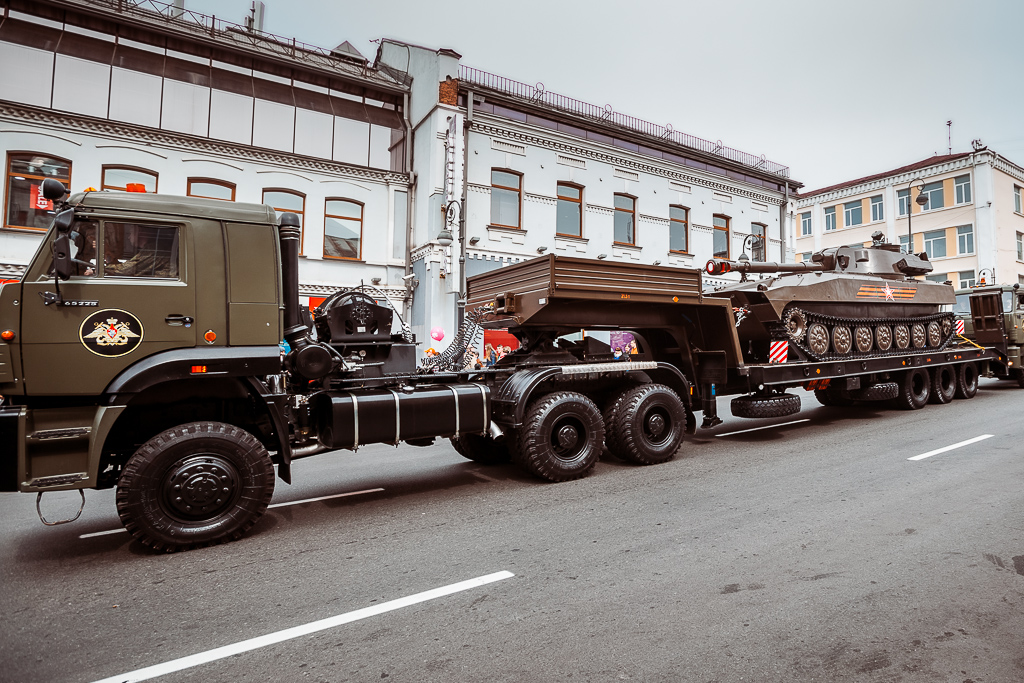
x: 298, y: 631
x: 949, y: 448
x: 275, y: 505
x: 755, y: 429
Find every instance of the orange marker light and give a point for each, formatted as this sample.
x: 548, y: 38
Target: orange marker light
x: 135, y: 187
x: 198, y: 369
x: 210, y: 336
x: 7, y: 335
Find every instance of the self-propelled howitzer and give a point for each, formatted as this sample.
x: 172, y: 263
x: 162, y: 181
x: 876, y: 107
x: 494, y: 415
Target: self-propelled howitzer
x: 846, y: 303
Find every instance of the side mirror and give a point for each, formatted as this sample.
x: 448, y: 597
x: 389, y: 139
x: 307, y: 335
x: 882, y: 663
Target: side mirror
x: 53, y: 189
x: 62, y: 262
x: 64, y: 219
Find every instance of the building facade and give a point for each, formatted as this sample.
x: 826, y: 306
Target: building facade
x: 181, y: 103
x: 969, y: 219
x: 507, y: 171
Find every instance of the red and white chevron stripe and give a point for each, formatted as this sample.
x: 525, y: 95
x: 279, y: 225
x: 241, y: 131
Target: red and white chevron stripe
x: 779, y: 352
x: 960, y: 326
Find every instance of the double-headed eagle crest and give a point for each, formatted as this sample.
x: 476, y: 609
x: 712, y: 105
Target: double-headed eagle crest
x: 111, y: 333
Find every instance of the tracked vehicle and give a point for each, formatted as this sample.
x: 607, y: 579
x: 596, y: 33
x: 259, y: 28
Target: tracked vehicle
x: 845, y: 304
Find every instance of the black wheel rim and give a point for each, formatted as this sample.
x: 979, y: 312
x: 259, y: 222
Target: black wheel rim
x: 568, y: 438
x: 657, y: 426
x: 200, y: 487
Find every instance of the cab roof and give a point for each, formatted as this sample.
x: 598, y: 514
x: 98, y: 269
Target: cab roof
x: 191, y: 207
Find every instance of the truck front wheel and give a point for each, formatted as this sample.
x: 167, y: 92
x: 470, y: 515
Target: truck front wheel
x: 562, y: 436
x: 196, y: 484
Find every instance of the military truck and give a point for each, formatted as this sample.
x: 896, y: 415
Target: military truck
x: 994, y: 316
x: 141, y: 351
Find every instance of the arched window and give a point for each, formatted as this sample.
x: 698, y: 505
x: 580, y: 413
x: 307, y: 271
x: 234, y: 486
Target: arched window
x: 211, y: 189
x: 26, y: 206
x: 625, y: 219
x: 505, y: 198
x: 288, y: 201
x: 343, y: 229
x: 120, y: 177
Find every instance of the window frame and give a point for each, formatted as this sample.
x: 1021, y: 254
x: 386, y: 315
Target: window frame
x: 903, y: 202
x: 519, y: 194
x: 7, y: 184
x: 849, y: 208
x: 931, y: 190
x: 806, y: 224
x: 961, y: 195
x: 726, y: 230
x: 970, y: 237
x: 686, y: 227
x: 966, y: 283
x: 830, y: 211
x: 877, y: 202
x: 631, y: 212
x: 362, y: 216
x: 763, y: 241
x: 302, y: 214
x: 210, y: 181
x: 934, y: 240
x: 1017, y: 204
x: 559, y: 198
x: 122, y: 167
x: 1020, y: 246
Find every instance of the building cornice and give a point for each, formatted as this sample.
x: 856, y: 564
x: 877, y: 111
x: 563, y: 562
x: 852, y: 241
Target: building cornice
x: 39, y: 117
x: 491, y: 127
x: 966, y: 162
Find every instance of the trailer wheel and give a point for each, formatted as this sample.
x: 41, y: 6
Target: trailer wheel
x: 755, y: 406
x: 649, y: 424
x: 943, y: 384
x: 482, y: 448
x: 562, y: 436
x: 915, y: 389
x: 831, y: 398
x: 193, y: 485
x: 966, y: 380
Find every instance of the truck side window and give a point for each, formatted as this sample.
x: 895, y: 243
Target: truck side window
x: 136, y: 250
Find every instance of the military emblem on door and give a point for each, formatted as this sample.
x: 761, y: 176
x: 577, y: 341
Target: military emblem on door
x: 111, y: 333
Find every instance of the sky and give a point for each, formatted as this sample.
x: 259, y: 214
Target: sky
x: 834, y: 90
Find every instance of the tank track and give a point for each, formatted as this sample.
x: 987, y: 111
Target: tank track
x: 944, y: 320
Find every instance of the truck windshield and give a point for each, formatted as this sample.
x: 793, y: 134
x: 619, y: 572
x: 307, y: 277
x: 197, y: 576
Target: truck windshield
x: 963, y: 304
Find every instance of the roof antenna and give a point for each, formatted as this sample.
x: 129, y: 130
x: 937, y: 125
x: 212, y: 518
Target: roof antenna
x: 949, y: 135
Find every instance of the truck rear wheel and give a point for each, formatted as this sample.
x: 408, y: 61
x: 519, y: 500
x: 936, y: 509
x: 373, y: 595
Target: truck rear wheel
x: 649, y: 424
x: 562, y: 436
x: 193, y: 485
x: 943, y: 384
x: 482, y: 448
x: 966, y: 380
x: 915, y: 389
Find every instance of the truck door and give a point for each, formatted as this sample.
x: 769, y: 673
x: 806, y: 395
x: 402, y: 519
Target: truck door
x: 987, y: 317
x: 132, y: 296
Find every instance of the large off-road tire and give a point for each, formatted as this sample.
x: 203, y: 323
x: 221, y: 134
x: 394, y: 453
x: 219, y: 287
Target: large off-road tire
x: 882, y: 391
x: 482, y: 448
x: 608, y: 414
x: 915, y: 389
x: 831, y: 398
x: 649, y: 424
x: 1020, y: 379
x: 196, y: 484
x: 755, y: 406
x: 562, y: 436
x: 943, y: 388
x: 966, y: 380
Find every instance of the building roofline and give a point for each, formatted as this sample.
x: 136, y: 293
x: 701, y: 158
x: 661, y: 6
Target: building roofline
x: 917, y: 165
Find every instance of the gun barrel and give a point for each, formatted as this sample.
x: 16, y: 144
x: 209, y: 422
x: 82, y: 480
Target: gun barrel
x: 720, y: 266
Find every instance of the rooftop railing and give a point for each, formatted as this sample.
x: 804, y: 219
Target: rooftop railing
x: 537, y: 95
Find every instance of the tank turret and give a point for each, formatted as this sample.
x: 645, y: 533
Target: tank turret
x: 846, y: 303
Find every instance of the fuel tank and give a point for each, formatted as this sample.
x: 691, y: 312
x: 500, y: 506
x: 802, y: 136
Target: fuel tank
x: 846, y: 303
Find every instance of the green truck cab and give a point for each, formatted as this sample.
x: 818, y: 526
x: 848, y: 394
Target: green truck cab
x: 994, y: 316
x: 139, y: 312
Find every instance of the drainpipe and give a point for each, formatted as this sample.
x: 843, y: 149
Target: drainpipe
x: 462, y: 212
x: 409, y: 204
x: 782, y: 223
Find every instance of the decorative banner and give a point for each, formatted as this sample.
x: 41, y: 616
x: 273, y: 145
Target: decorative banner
x: 37, y: 201
x: 779, y: 352
x: 111, y: 333
x: 960, y: 326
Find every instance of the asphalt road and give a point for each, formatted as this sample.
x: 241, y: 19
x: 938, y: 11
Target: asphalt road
x: 808, y: 551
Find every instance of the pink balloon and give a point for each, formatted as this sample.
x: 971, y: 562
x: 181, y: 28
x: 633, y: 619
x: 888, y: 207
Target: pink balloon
x: 437, y: 334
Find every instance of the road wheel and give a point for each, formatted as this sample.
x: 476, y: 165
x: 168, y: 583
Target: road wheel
x: 943, y: 384
x: 918, y: 334
x: 915, y: 389
x: 482, y: 448
x: 755, y: 406
x: 562, y: 436
x: 883, y: 337
x: 864, y: 338
x: 649, y: 424
x: 934, y: 334
x: 966, y: 380
x: 817, y: 338
x: 831, y: 398
x: 842, y: 340
x: 901, y: 336
x: 193, y: 485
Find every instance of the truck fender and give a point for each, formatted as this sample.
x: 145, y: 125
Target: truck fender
x: 233, y: 361
x: 508, y: 404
